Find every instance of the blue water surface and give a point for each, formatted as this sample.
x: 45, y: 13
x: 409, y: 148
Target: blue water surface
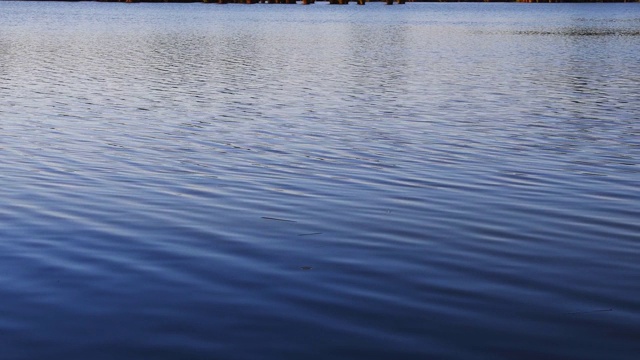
x: 427, y: 181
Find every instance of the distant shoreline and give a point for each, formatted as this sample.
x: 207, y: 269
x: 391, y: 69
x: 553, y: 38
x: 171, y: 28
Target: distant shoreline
x: 345, y: 1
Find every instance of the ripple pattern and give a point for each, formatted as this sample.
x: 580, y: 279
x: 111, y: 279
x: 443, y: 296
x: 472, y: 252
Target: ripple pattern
x: 455, y: 181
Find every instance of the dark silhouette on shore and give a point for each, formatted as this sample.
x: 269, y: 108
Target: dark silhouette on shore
x: 360, y: 2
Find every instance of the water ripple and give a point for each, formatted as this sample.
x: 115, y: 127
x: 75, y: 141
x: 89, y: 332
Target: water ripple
x: 427, y: 181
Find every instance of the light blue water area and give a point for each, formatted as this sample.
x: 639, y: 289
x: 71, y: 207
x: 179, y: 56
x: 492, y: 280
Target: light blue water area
x: 427, y: 181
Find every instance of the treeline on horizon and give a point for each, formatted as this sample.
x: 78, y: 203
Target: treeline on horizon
x: 293, y: 1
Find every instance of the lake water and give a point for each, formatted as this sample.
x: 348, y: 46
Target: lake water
x: 427, y: 181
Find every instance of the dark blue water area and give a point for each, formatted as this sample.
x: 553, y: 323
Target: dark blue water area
x: 427, y: 181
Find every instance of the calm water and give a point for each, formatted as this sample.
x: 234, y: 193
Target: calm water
x: 428, y: 181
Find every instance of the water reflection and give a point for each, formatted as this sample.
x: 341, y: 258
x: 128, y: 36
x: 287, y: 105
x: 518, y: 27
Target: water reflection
x: 466, y: 183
